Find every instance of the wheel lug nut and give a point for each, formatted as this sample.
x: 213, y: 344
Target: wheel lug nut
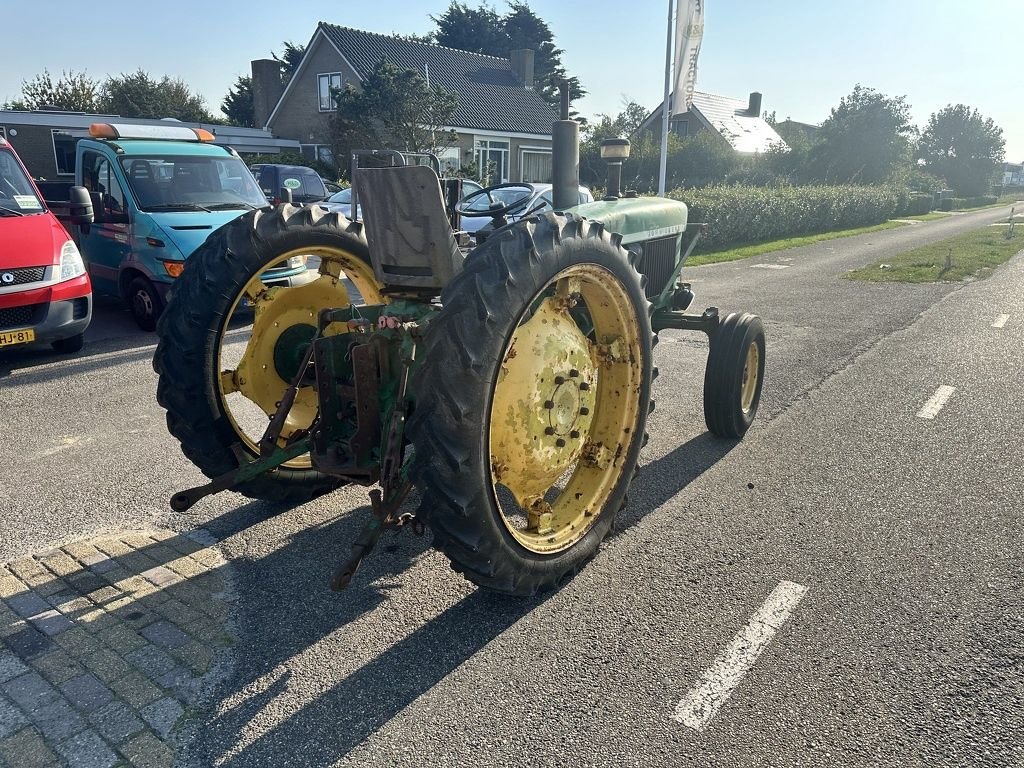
x: 584, y: 386
x: 549, y: 430
x: 560, y: 443
x: 559, y: 380
x: 575, y: 434
x: 584, y: 411
x: 573, y: 373
x: 549, y: 404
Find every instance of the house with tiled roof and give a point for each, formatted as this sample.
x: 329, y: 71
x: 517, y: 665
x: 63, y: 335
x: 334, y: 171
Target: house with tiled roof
x: 501, y: 121
x: 737, y: 121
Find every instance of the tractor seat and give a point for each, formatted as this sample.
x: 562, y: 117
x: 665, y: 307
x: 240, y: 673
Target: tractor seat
x: 407, y: 229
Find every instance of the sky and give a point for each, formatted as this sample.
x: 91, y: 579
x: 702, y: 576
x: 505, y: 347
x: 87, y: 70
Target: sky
x: 803, y: 55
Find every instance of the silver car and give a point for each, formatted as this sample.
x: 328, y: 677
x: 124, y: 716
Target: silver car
x: 539, y: 199
x: 341, y: 202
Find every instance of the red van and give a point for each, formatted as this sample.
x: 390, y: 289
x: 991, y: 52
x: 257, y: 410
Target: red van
x: 45, y: 294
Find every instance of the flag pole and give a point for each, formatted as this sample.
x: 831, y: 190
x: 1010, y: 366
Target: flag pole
x: 665, y: 106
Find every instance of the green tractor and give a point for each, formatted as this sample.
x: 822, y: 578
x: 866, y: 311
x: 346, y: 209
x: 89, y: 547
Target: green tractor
x: 510, y: 383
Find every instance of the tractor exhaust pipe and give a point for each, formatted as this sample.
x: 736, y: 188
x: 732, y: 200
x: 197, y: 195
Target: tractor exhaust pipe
x: 565, y: 157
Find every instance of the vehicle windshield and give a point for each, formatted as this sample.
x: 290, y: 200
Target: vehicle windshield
x: 344, y: 196
x: 502, y: 196
x: 16, y: 191
x: 188, y: 183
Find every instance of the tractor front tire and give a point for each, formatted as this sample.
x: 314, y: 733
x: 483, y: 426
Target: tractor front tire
x: 193, y: 329
x: 529, y: 422
x: 734, y: 375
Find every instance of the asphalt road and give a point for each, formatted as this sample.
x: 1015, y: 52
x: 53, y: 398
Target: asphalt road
x: 904, y: 649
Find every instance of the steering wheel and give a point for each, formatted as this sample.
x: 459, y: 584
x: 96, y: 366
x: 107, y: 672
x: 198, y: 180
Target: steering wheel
x: 495, y: 209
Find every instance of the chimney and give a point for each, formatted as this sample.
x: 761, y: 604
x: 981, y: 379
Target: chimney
x: 521, y: 60
x: 754, y: 107
x: 267, y: 88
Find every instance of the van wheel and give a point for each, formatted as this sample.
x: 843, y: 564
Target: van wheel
x: 144, y: 302
x: 68, y: 346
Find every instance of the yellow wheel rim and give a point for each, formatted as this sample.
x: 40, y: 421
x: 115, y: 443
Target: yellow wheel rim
x: 751, y: 373
x: 250, y: 384
x: 565, y: 409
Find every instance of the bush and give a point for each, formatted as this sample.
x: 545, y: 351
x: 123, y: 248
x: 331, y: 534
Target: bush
x: 918, y: 205
x: 959, y: 203
x: 744, y: 214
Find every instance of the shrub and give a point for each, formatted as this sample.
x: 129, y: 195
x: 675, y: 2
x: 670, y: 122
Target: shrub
x: 744, y: 214
x: 959, y: 203
x: 918, y: 205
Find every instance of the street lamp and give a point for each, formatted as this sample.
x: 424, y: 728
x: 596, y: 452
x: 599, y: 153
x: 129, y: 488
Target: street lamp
x: 614, y: 152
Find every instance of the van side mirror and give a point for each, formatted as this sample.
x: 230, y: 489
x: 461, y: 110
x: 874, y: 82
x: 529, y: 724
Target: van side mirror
x: 102, y: 214
x: 80, y: 209
x: 286, y: 195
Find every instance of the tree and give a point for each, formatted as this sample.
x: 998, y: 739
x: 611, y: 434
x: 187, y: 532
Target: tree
x: 866, y: 139
x: 238, y: 103
x: 393, y: 109
x: 483, y: 30
x: 139, y: 95
x: 963, y: 147
x: 593, y: 170
x: 72, y: 91
x: 471, y: 29
x: 289, y: 59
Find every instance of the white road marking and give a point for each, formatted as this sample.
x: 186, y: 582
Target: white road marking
x: 721, y: 678
x: 770, y: 266
x: 936, y: 402
x: 1000, y: 322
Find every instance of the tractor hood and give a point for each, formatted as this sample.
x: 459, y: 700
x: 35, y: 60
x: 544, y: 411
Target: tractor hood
x: 637, y: 218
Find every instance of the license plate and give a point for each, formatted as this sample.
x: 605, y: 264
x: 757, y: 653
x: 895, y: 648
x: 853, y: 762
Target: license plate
x: 17, y: 337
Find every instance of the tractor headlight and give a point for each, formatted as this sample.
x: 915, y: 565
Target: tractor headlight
x: 71, y: 264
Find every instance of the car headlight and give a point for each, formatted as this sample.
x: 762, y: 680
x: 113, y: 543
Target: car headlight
x: 294, y: 262
x: 71, y: 264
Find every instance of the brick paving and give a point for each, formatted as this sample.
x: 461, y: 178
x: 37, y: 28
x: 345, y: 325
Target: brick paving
x: 104, y: 646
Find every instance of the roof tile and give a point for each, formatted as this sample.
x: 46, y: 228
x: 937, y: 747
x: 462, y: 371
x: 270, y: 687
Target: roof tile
x: 490, y: 96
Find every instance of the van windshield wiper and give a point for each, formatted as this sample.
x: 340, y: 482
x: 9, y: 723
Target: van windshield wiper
x: 177, y: 207
x: 10, y: 212
x: 232, y: 206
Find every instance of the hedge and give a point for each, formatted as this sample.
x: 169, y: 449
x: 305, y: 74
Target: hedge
x: 742, y: 214
x: 918, y: 205
x: 958, y: 203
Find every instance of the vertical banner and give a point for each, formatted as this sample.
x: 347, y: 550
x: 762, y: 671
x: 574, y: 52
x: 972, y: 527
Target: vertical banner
x: 689, y: 32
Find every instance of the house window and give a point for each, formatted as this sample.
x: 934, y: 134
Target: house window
x: 681, y: 128
x: 320, y: 152
x: 64, y: 152
x: 450, y: 160
x: 326, y: 84
x: 535, y: 165
x: 492, y: 159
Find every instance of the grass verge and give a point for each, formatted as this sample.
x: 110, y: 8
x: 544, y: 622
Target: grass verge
x: 971, y: 255
x: 933, y: 216
x: 756, y: 249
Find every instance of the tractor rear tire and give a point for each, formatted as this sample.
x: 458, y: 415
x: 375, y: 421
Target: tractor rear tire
x: 192, y: 332
x: 467, y: 412
x: 734, y: 375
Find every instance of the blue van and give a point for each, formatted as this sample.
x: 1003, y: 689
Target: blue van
x: 158, y: 192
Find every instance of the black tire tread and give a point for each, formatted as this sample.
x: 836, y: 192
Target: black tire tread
x: 461, y: 354
x: 189, y: 331
x: 721, y: 383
